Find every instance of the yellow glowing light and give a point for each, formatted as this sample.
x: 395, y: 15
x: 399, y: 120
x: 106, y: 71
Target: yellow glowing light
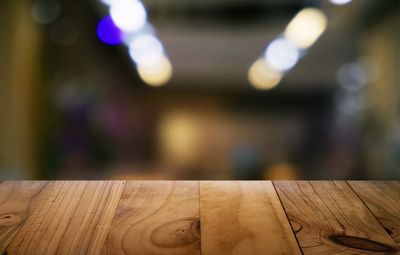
x: 306, y: 27
x: 179, y: 137
x: 262, y: 77
x: 281, y: 171
x: 156, y: 74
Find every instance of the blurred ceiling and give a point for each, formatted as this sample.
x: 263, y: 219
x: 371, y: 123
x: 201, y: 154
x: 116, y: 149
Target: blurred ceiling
x: 212, y: 43
x: 208, y: 56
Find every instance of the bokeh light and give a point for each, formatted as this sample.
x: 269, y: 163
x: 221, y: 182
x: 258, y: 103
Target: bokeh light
x: 349, y: 104
x: 147, y: 29
x: 281, y: 171
x: 281, y: 55
x: 145, y: 50
x: 306, y: 27
x: 340, y: 2
x: 157, y: 74
x: 108, y: 2
x: 45, y: 12
x: 108, y: 32
x: 262, y: 77
x: 248, y: 89
x: 179, y: 132
x: 352, y: 76
x: 128, y: 15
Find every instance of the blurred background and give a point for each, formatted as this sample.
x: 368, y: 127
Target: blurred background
x: 200, y: 89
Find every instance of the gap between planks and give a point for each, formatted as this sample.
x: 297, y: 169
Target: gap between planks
x: 243, y: 217
x: 382, y: 199
x: 164, y: 218
x: 328, y: 217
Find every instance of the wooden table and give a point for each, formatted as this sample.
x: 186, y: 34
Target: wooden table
x: 207, y: 217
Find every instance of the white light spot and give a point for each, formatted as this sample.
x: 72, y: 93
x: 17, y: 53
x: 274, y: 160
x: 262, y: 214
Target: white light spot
x: 128, y: 15
x: 147, y: 29
x: 145, y: 50
x: 340, y: 2
x: 281, y: 55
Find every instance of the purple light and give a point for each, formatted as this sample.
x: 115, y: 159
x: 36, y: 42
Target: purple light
x: 108, y: 32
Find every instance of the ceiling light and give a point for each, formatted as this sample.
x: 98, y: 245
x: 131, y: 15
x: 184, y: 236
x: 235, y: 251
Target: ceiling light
x: 262, y: 77
x: 128, y: 15
x: 281, y: 55
x: 306, y: 27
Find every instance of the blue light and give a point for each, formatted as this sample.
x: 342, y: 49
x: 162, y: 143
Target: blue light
x: 108, y: 32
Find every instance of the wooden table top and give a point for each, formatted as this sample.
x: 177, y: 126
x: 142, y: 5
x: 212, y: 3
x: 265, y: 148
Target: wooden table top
x: 206, y: 217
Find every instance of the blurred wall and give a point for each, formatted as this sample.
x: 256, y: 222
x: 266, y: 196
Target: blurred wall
x: 19, y: 49
x: 73, y: 107
x: 382, y: 116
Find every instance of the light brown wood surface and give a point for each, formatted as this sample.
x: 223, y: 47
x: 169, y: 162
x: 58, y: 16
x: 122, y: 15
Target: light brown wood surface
x: 241, y: 217
x: 193, y: 218
x: 156, y: 218
x: 16, y: 202
x: 383, y: 199
x: 69, y: 218
x: 329, y: 218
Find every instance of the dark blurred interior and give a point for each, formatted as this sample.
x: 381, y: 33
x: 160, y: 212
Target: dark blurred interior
x: 72, y: 106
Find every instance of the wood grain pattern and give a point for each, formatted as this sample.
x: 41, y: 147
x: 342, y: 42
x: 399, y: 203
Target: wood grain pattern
x: 16, y: 201
x: 156, y: 218
x: 192, y: 218
x: 72, y: 218
x: 243, y: 218
x: 383, y: 199
x: 329, y: 218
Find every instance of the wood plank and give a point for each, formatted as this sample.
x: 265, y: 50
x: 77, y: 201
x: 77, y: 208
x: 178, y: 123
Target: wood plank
x: 329, y: 218
x: 383, y: 199
x: 156, y: 217
x: 74, y: 218
x: 16, y: 202
x: 243, y: 217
